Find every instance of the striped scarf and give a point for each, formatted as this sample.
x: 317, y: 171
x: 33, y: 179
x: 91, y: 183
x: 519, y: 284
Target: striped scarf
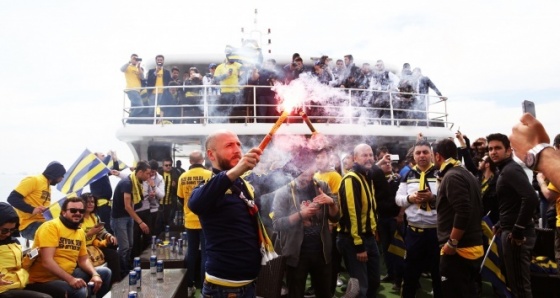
x: 166, y: 199
x: 136, y: 189
x: 485, y: 184
x: 267, y: 248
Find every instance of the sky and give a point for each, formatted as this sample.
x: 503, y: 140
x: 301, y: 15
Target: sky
x: 62, y: 87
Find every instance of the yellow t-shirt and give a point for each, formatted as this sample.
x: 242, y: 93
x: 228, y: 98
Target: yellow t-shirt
x: 70, y: 245
x: 232, y: 80
x: 88, y: 224
x: 159, y: 81
x: 11, y: 267
x: 131, y: 77
x: 554, y: 189
x: 187, y: 182
x: 36, y: 191
x: 332, y: 178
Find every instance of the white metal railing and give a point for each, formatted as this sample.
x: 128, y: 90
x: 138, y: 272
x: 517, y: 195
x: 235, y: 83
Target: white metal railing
x: 352, y: 106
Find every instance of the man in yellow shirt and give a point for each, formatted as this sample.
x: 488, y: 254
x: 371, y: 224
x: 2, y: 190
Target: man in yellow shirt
x: 62, y: 246
x: 134, y: 74
x: 32, y: 197
x: 228, y: 74
x: 195, y: 238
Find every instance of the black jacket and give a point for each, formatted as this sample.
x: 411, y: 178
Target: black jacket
x: 384, y: 194
x: 459, y: 205
x: 517, y: 198
x: 152, y: 79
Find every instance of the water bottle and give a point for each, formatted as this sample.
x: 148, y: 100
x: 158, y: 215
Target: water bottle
x: 91, y: 285
x: 153, y: 262
x: 138, y: 271
x: 159, y: 270
x: 132, y: 280
x: 154, y: 243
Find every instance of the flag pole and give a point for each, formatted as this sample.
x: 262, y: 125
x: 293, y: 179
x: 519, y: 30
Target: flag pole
x: 487, y: 252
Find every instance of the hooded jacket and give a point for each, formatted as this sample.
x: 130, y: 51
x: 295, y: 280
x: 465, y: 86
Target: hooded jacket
x: 54, y: 171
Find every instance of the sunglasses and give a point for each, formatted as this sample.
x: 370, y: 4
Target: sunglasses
x: 6, y: 231
x: 76, y: 210
x: 167, y: 165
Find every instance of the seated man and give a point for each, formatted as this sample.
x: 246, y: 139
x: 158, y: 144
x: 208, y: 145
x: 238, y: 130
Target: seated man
x: 62, y: 246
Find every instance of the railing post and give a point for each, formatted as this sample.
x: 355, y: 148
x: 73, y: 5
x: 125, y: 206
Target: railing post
x: 391, y: 108
x: 255, y: 104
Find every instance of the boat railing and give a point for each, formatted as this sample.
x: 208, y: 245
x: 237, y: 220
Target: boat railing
x: 202, y: 105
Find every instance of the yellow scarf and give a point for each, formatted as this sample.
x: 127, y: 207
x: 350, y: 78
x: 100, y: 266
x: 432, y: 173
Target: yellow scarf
x: 167, y: 178
x: 422, y: 185
x: 137, y: 193
x: 267, y: 248
x: 450, y: 161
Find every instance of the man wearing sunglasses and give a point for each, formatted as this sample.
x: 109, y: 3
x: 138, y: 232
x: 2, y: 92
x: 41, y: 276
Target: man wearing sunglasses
x: 62, y: 245
x: 169, y: 201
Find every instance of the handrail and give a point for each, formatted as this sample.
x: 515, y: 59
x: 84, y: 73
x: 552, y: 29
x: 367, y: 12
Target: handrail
x: 353, y: 106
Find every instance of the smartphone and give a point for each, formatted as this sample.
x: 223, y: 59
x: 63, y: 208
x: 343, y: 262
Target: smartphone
x: 395, y: 157
x: 33, y: 253
x: 529, y: 107
x: 423, y: 190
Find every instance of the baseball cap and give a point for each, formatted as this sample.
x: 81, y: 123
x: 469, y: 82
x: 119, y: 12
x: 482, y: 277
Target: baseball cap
x: 212, y: 65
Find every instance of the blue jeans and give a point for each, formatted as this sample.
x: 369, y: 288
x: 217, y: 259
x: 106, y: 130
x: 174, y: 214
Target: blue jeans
x: 105, y: 274
x: 210, y: 290
x: 29, y: 231
x: 367, y: 273
x: 422, y: 253
x: 195, y: 238
x: 123, y: 229
x: 152, y: 103
x: 386, y: 227
x: 136, y: 103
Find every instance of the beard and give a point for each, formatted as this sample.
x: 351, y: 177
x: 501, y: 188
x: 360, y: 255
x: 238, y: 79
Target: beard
x: 226, y: 165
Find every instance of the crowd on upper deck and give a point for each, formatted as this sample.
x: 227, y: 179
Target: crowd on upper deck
x: 234, y: 85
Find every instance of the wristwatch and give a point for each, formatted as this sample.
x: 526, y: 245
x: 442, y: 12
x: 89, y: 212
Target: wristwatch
x: 532, y: 157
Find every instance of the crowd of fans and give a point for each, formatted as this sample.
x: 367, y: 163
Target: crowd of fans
x: 320, y: 208
x: 234, y: 85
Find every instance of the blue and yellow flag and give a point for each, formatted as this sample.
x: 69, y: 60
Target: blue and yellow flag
x: 85, y: 170
x: 108, y: 160
x: 396, y: 246
x: 55, y: 208
x: 491, y: 269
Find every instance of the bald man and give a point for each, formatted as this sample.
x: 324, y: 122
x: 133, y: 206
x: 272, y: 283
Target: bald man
x: 226, y: 209
x: 356, y: 237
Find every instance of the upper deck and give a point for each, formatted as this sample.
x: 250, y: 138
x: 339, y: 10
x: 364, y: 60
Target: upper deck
x: 345, y: 118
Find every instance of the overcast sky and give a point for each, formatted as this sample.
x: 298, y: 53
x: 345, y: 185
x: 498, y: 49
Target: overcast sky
x: 62, y: 88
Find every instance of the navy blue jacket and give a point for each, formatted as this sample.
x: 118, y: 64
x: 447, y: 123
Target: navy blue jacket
x: 232, y: 241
